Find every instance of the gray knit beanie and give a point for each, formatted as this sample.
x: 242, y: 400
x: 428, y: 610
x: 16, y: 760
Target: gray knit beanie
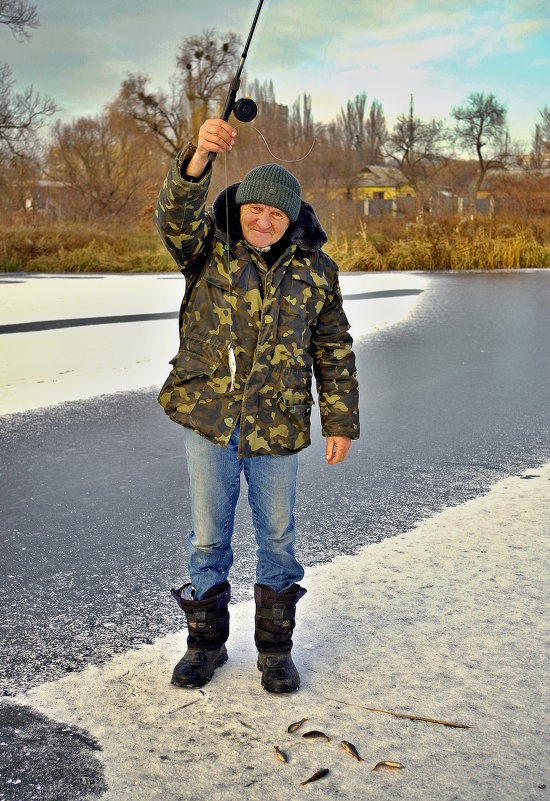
x: 271, y: 185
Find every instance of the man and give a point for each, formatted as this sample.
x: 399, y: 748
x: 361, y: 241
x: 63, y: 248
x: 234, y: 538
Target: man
x: 262, y: 309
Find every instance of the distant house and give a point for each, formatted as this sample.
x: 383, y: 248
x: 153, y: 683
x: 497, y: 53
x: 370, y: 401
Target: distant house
x: 382, y: 183
x: 384, y: 190
x: 41, y: 196
x: 539, y: 158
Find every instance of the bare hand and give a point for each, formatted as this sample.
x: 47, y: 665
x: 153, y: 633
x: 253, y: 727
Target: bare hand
x: 215, y: 136
x: 337, y: 449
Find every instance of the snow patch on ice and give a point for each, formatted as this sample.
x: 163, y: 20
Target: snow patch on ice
x: 44, y: 368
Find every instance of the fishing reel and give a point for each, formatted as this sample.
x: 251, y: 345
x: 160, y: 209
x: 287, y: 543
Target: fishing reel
x: 245, y: 109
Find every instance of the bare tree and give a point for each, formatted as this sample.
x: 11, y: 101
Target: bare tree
x: 205, y: 66
x: 362, y: 136
x: 349, y: 138
x: 352, y: 125
x: 165, y: 114
x: 16, y: 176
x: 377, y: 134
x: 261, y: 92
x: 544, y: 124
x: 525, y: 193
x: 536, y: 152
x: 22, y: 114
x: 481, y: 129
x: 306, y: 145
x: 105, y: 164
x: 301, y: 120
x: 19, y: 16
x: 417, y: 148
x: 541, y: 139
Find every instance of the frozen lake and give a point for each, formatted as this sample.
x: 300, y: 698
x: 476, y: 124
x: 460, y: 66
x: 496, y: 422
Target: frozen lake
x: 454, y: 373
x: 77, y: 336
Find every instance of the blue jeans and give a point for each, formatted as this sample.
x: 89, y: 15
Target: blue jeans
x: 215, y: 479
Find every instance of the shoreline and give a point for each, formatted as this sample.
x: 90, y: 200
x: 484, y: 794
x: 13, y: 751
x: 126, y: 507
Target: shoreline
x: 449, y: 621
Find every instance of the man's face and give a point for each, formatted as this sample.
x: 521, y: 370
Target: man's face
x: 262, y: 225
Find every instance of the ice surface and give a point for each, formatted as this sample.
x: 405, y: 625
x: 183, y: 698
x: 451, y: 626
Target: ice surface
x: 47, y: 367
x: 448, y: 621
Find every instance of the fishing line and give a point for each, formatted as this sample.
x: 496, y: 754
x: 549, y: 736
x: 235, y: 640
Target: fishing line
x: 245, y: 111
x: 230, y: 352
x: 271, y: 153
x: 228, y: 258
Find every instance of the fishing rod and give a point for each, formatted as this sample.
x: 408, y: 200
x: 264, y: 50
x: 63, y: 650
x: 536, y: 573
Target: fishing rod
x: 244, y: 109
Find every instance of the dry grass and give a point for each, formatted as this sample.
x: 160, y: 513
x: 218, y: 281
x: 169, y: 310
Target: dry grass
x: 81, y: 248
x: 443, y: 243
x: 380, y: 244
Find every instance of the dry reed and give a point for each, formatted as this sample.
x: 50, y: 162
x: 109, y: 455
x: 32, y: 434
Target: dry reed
x: 443, y: 243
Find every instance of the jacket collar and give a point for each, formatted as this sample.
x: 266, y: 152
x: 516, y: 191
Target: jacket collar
x: 307, y: 232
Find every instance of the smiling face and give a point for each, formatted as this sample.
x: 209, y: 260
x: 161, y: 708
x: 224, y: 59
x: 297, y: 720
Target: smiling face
x: 262, y: 225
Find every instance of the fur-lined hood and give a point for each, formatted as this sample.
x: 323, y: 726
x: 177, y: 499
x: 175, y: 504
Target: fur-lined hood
x: 307, y: 232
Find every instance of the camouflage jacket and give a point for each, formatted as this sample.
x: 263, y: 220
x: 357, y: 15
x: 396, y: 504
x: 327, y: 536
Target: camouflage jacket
x: 283, y: 322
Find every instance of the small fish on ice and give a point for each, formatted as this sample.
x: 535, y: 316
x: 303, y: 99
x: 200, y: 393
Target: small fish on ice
x: 388, y: 763
x: 280, y: 755
x: 316, y: 735
x: 351, y: 749
x: 294, y: 726
x: 316, y: 776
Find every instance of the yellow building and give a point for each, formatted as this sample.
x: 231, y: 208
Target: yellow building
x: 382, y: 183
x: 384, y: 190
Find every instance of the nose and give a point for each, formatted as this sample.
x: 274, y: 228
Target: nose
x: 264, y: 220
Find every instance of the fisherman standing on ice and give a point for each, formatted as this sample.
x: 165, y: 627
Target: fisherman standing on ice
x: 262, y: 310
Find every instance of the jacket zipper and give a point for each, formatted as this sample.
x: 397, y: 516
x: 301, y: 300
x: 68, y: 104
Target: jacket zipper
x: 245, y: 392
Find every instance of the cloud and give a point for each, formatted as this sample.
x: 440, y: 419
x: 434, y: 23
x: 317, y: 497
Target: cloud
x: 488, y: 40
x: 317, y: 31
x: 311, y: 30
x: 404, y: 55
x: 439, y: 50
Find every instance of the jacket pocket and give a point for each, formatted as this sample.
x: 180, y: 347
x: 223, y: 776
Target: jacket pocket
x: 189, y: 364
x: 295, y: 399
x: 293, y: 419
x: 185, y: 384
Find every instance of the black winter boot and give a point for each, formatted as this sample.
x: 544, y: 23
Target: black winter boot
x: 275, y: 613
x: 208, y: 630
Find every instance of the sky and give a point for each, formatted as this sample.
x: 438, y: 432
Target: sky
x: 437, y: 50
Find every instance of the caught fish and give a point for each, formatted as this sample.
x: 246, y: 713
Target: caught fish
x: 294, y: 726
x: 280, y: 755
x: 232, y: 365
x: 351, y: 749
x: 388, y: 763
x: 318, y: 775
x: 316, y: 735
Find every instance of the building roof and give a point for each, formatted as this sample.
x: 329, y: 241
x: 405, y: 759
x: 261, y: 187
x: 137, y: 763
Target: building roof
x: 379, y: 175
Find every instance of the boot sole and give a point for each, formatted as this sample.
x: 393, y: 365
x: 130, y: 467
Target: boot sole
x: 188, y: 686
x: 280, y: 690
x: 276, y: 690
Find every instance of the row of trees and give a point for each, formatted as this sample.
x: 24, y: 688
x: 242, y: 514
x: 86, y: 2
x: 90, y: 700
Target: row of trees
x: 110, y: 166
x: 22, y: 114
